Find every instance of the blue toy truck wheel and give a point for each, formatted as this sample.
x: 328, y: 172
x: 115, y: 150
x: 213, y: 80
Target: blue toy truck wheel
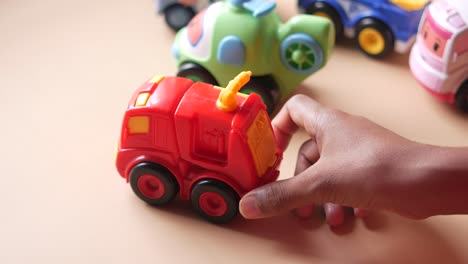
x: 323, y: 9
x: 301, y: 53
x: 374, y: 38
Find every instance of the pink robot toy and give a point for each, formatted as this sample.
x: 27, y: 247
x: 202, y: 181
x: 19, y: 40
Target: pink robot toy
x: 439, y: 59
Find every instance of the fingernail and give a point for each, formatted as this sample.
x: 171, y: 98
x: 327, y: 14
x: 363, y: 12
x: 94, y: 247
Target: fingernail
x: 248, y: 208
x: 361, y: 213
x: 334, y: 214
x: 305, y: 212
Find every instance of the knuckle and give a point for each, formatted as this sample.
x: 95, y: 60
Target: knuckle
x: 330, y: 118
x: 298, y: 99
x: 333, y: 114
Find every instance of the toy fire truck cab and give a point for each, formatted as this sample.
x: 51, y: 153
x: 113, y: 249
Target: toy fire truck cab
x: 208, y: 144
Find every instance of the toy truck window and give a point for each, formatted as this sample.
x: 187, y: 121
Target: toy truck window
x: 161, y: 126
x: 138, y: 125
x: 142, y: 99
x: 262, y: 143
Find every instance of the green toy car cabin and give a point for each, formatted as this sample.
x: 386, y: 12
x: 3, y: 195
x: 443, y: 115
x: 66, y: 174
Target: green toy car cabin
x: 238, y: 35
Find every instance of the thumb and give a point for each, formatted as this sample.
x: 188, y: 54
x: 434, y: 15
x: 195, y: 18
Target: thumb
x: 280, y: 196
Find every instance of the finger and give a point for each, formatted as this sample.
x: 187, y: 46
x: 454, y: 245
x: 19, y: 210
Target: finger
x: 305, y: 211
x: 361, y: 213
x: 334, y: 214
x: 299, y: 112
x: 307, y: 156
x: 279, y: 197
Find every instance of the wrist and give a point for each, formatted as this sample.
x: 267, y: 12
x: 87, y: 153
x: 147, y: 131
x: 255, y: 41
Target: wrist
x: 436, y: 181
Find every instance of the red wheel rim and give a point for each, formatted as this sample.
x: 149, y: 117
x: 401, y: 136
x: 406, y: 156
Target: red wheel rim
x: 213, y: 204
x: 151, y: 186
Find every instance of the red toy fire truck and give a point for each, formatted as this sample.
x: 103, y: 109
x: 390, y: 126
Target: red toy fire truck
x: 209, y: 144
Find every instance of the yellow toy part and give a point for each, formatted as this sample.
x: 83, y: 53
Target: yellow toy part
x: 138, y: 125
x: 142, y: 99
x: 322, y: 14
x: 227, y: 97
x: 372, y: 41
x: 410, y: 5
x: 156, y: 79
x: 262, y: 143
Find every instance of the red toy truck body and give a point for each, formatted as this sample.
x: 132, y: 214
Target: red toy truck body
x: 175, y: 139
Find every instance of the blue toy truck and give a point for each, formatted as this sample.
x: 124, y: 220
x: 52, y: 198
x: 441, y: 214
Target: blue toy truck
x: 377, y: 26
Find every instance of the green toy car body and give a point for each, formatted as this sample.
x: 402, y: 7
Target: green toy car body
x: 236, y: 35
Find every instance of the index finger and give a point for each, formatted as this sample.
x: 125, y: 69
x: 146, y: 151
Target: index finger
x: 299, y: 111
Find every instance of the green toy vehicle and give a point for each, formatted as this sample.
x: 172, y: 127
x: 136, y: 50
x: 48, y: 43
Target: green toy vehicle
x: 237, y: 35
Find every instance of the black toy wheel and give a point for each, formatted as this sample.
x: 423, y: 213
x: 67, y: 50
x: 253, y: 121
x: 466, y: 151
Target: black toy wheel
x: 178, y: 16
x: 196, y: 73
x: 153, y: 183
x: 266, y: 88
x: 215, y: 201
x: 325, y: 10
x: 374, y: 38
x: 461, y: 97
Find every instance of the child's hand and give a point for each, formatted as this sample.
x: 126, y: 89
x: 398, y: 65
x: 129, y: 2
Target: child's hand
x: 348, y: 161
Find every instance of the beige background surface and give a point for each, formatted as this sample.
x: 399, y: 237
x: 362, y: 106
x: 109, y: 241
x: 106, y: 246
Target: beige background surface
x: 67, y: 70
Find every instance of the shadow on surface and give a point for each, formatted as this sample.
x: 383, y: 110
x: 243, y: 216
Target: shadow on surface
x: 448, y: 109
x: 349, y: 46
x: 390, y: 239
x: 379, y: 238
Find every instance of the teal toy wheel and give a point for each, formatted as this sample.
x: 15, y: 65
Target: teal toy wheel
x: 301, y: 53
